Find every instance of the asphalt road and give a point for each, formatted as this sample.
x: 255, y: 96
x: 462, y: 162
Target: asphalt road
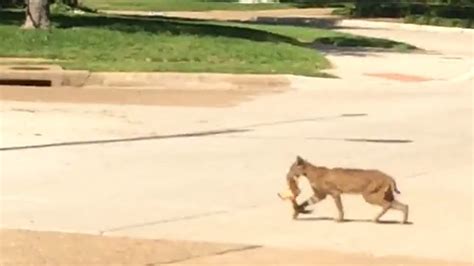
x: 222, y: 187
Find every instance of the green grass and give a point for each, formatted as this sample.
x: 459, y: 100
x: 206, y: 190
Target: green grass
x: 131, y: 44
x: 177, y: 5
x: 145, y: 52
x: 114, y: 43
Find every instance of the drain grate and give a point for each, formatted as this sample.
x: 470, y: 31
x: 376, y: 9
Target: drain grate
x: 28, y: 68
x: 26, y: 82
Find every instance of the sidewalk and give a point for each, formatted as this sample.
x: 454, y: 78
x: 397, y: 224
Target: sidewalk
x: 50, y: 248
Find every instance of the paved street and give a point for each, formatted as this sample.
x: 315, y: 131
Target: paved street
x: 222, y: 187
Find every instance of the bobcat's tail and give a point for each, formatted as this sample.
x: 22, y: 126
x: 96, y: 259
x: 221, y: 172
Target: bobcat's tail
x: 394, y: 187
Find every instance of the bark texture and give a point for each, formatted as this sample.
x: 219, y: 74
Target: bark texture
x: 37, y: 14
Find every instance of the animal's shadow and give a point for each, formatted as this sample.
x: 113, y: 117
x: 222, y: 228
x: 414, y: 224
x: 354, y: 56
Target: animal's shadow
x: 309, y: 219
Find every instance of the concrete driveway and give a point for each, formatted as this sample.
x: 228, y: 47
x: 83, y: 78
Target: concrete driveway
x: 222, y: 187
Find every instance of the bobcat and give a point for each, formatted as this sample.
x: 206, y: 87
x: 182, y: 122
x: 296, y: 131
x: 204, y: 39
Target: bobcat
x: 375, y: 186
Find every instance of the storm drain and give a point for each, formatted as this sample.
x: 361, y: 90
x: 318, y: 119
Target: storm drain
x: 28, y: 68
x: 26, y: 75
x: 26, y: 82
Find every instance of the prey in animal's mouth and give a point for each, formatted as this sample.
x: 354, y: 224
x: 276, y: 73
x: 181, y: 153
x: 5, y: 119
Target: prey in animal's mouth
x: 286, y: 195
x: 297, y: 209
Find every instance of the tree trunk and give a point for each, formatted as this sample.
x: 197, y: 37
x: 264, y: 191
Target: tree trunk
x: 37, y: 14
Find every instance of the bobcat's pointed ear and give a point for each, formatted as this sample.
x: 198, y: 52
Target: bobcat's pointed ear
x: 299, y: 160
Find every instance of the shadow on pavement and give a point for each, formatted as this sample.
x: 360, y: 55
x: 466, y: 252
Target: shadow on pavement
x: 309, y: 219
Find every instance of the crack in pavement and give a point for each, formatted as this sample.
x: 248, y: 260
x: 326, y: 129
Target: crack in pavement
x: 379, y: 140
x: 105, y: 141
x: 311, y: 119
x: 239, y: 129
x: 227, y: 251
x: 322, y: 138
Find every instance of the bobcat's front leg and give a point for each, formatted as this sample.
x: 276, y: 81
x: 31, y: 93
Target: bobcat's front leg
x: 301, y: 208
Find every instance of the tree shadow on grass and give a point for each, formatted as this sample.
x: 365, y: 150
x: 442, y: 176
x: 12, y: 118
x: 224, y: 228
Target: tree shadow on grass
x: 11, y: 17
x: 310, y: 22
x: 345, y: 41
x: 153, y: 25
x: 177, y: 26
x: 184, y: 26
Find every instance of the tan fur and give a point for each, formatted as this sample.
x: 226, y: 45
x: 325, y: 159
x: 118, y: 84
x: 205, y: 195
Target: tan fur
x: 375, y: 186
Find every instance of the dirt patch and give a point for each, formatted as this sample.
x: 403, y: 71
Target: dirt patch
x: 399, y: 77
x: 19, y: 247
x: 194, y: 98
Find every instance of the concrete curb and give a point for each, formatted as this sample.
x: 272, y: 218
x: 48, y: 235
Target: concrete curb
x: 396, y: 25
x: 464, y: 77
x: 189, y: 81
x: 180, y: 81
x: 52, y: 75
